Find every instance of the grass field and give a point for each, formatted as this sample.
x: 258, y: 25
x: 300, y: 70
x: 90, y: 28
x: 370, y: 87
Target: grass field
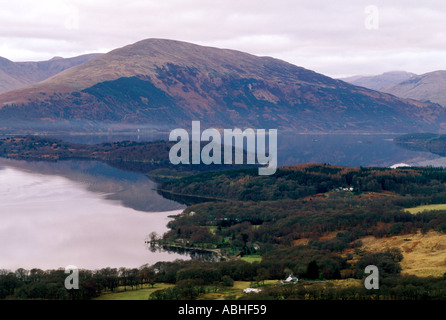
x: 419, y: 209
x: 138, y: 294
x: 424, y: 254
x: 252, y: 258
x: 234, y: 292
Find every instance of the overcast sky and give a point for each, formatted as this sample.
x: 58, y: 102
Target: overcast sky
x: 337, y: 38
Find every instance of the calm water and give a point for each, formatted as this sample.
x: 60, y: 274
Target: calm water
x: 339, y: 149
x: 78, y: 213
x: 88, y: 214
x: 347, y: 149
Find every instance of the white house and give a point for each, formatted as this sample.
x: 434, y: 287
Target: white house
x: 249, y: 290
x: 291, y: 279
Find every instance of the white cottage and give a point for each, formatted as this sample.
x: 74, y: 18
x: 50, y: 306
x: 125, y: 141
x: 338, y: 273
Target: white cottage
x: 291, y: 279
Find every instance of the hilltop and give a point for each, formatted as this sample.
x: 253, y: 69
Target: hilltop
x: 430, y: 86
x: 164, y: 84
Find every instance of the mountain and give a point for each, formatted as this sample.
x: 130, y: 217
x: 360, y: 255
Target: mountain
x: 166, y: 84
x: 15, y: 75
x: 380, y: 82
x: 425, y: 87
x: 428, y: 87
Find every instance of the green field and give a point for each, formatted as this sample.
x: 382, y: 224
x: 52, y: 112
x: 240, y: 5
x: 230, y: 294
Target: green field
x: 429, y: 207
x: 137, y: 294
x: 252, y: 258
x: 143, y: 294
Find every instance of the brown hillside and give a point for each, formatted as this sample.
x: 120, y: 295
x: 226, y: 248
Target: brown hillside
x: 424, y: 254
x: 169, y: 82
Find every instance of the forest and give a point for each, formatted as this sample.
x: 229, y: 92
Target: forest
x: 332, y: 207
x: 305, y: 201
x: 192, y: 278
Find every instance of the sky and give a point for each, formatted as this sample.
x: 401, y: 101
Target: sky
x: 337, y: 38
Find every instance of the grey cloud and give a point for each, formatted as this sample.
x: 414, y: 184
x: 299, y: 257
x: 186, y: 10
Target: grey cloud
x: 326, y: 36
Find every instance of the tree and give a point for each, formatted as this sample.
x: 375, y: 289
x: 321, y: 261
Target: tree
x: 386, y: 264
x: 187, y: 289
x: 133, y: 278
x: 36, y: 275
x: 110, y: 278
x: 227, y: 281
x: 22, y: 274
x: 396, y: 254
x: 312, y: 270
x: 8, y: 284
x: 124, y: 274
x: 336, y: 273
x: 90, y: 289
x: 262, y: 275
x: 153, y: 237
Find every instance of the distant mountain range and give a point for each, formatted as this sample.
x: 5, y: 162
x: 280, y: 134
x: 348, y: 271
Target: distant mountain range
x: 165, y: 84
x: 425, y: 87
x: 428, y: 87
x: 15, y: 75
x: 380, y: 82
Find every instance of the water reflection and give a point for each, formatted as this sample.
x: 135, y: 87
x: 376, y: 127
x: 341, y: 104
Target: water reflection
x: 347, y: 149
x: 196, y: 254
x: 78, y: 213
x: 132, y: 190
x: 340, y: 149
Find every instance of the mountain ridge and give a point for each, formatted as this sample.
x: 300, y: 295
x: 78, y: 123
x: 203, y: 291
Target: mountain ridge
x: 16, y: 75
x: 426, y: 87
x: 379, y: 82
x: 168, y: 82
x: 430, y: 86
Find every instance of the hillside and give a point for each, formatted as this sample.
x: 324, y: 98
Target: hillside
x: 16, y: 75
x: 428, y: 87
x: 424, y: 253
x: 164, y: 84
x: 305, y: 181
x: 425, y: 87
